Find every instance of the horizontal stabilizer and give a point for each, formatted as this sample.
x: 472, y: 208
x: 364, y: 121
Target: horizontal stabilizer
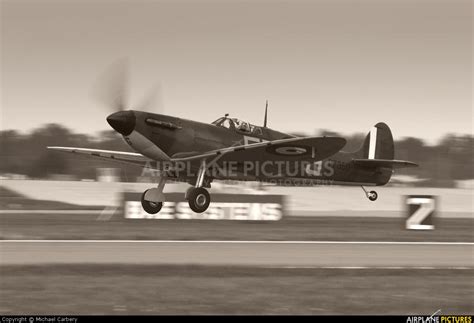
x: 387, y: 163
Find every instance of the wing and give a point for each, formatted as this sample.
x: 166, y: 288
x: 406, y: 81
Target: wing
x: 311, y: 148
x: 388, y: 163
x: 116, y: 156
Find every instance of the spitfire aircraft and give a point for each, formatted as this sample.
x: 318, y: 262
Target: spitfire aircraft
x: 229, y: 148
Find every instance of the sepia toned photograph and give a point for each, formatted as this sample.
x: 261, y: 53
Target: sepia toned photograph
x: 236, y: 157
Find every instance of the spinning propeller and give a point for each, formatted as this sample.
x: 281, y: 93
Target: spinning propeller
x: 112, y: 90
x: 113, y: 87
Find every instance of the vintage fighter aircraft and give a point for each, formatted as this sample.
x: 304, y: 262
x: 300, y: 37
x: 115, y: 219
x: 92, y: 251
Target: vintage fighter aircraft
x: 229, y: 148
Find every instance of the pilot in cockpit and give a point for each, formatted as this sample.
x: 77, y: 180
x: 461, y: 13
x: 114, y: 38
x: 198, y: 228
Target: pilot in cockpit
x: 243, y: 126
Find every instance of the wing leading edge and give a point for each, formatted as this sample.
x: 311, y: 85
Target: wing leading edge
x: 118, y: 156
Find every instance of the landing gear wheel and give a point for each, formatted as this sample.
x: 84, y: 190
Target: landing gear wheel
x: 199, y: 199
x: 149, y: 206
x: 372, y: 195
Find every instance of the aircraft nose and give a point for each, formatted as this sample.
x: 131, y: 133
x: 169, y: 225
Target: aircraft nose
x: 123, y: 122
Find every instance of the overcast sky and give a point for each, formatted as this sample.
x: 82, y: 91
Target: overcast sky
x: 341, y: 65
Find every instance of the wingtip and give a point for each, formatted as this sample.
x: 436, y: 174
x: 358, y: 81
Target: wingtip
x: 407, y: 163
x: 340, y: 140
x: 57, y: 148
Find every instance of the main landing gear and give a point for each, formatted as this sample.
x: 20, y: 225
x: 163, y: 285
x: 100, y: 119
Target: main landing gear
x: 152, y: 199
x: 198, y: 197
x: 149, y: 206
x: 372, y: 195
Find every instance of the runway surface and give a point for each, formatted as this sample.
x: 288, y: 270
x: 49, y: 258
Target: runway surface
x: 318, y: 254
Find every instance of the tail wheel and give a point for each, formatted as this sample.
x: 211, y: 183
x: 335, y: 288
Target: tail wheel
x: 149, y: 206
x: 372, y: 195
x: 199, y: 199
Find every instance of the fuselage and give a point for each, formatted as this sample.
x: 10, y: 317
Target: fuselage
x: 160, y: 137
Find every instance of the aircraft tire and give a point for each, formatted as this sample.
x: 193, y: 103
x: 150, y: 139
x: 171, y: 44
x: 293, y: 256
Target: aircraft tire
x: 373, y: 195
x: 150, y: 207
x: 199, y: 199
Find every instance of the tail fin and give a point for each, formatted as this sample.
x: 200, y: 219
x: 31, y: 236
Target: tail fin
x: 378, y: 144
x: 377, y: 154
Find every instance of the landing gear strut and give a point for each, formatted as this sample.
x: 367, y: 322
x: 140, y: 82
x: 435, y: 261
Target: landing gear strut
x: 152, y: 199
x: 198, y: 197
x: 372, y: 195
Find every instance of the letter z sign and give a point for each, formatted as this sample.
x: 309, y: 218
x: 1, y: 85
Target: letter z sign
x: 421, y: 210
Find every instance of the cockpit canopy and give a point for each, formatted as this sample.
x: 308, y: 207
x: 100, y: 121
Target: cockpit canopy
x: 239, y: 125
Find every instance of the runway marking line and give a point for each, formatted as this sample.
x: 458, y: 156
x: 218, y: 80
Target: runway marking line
x: 376, y: 267
x: 54, y: 212
x: 448, y: 243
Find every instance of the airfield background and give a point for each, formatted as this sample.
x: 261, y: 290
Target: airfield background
x: 46, y: 198
x: 33, y: 172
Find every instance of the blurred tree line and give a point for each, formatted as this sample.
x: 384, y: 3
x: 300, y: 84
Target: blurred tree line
x: 451, y: 159
x: 26, y: 154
